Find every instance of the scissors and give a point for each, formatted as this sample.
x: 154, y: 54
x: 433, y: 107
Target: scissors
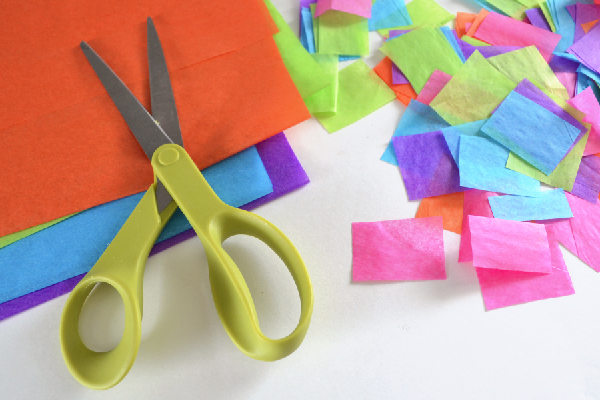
x: 177, y: 183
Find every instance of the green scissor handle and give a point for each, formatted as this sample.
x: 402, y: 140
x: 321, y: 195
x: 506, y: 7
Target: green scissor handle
x: 214, y: 222
x: 122, y: 266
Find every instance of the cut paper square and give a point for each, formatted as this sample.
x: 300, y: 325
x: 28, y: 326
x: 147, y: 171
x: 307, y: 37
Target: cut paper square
x: 407, y: 53
x: 587, y: 182
x: 360, y: 92
x: 531, y: 131
x: 528, y: 63
x: 473, y: 92
x: 427, y: 166
x: 499, y: 30
x: 550, y: 204
x: 356, y: 7
x: 564, y: 174
x: 475, y: 203
x: 481, y: 166
x: 433, y: 86
x: 587, y: 103
x: 447, y: 206
x: 404, y: 92
x: 506, y: 288
x: 388, y: 14
x: 342, y: 33
x: 417, y: 118
x: 408, y: 249
x: 586, y: 230
x: 509, y: 245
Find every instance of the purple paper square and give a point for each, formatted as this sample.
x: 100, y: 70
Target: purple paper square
x: 427, y: 166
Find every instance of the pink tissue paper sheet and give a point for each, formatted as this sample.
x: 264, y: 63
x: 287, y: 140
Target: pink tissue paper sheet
x: 357, y: 7
x: 407, y: 249
x: 433, y: 86
x: 500, y: 30
x: 507, y: 288
x: 587, y: 103
x: 509, y: 245
x: 475, y: 203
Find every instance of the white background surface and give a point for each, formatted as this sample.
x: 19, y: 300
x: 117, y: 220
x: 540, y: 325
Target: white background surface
x: 400, y: 340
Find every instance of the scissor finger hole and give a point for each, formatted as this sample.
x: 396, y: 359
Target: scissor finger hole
x: 270, y: 283
x: 102, y: 318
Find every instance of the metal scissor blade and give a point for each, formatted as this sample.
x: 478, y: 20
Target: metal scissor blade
x: 145, y: 129
x: 164, y: 109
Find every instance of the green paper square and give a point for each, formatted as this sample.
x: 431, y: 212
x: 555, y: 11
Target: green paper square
x: 360, y: 92
x: 343, y: 33
x: 420, y: 52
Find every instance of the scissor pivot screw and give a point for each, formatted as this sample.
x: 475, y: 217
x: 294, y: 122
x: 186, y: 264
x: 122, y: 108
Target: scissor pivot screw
x: 168, y: 156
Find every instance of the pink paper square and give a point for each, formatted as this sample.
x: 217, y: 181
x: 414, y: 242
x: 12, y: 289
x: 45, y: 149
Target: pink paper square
x: 506, y: 288
x: 433, y: 86
x: 401, y: 250
x: 509, y: 245
x: 357, y: 7
x: 475, y: 203
x: 500, y: 30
